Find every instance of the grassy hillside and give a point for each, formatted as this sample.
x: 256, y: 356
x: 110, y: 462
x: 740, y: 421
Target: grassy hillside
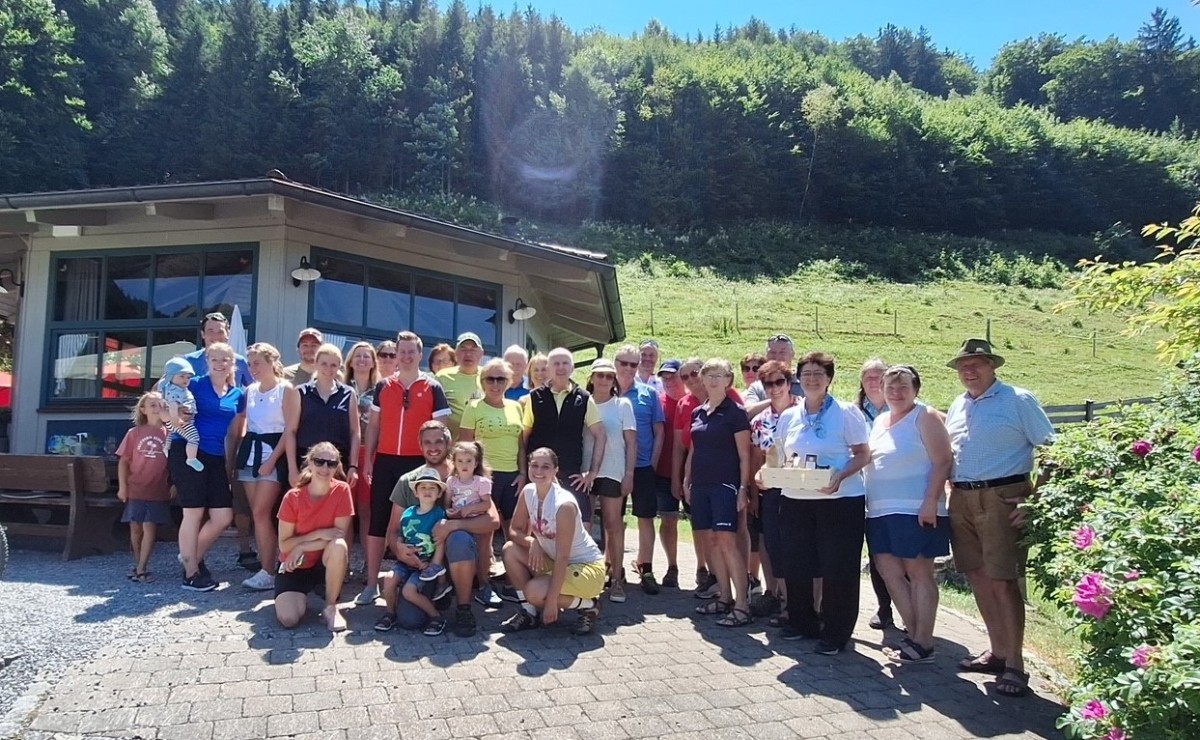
x: 698, y: 313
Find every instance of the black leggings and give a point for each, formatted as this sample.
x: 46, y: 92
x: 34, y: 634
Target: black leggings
x: 823, y: 538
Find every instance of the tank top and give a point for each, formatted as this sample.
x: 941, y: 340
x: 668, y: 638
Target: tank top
x: 543, y: 517
x: 898, y: 474
x: 264, y: 410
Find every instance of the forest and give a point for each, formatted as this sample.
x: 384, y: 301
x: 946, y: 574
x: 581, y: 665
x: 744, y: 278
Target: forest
x: 699, y: 130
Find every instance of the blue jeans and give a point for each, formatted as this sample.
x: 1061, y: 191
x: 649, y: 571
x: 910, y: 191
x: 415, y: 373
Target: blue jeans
x: 460, y: 547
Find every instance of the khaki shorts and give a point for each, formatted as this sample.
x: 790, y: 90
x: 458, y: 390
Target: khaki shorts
x: 980, y: 532
x: 584, y: 580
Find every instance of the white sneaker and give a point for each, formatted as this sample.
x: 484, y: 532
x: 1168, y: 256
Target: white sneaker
x: 368, y: 596
x: 260, y: 581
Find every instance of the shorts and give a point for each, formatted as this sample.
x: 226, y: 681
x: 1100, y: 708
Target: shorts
x: 406, y: 574
x: 301, y: 581
x: 902, y: 536
x: 666, y: 502
x: 714, y: 507
x: 246, y: 475
x: 608, y: 488
x: 384, y: 476
x: 505, y: 493
x: 981, y: 534
x: 138, y: 511
x: 583, y: 581
x: 645, y: 493
x: 205, y: 489
x: 461, y: 546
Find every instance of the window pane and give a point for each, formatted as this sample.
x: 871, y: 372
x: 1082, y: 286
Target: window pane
x: 124, y: 364
x: 127, y: 289
x: 75, y: 365
x: 338, y: 295
x: 77, y: 290
x: 434, y: 308
x: 177, y: 286
x: 388, y: 301
x: 168, y: 343
x: 477, y: 313
x: 229, y: 281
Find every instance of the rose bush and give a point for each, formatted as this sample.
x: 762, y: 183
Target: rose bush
x: 1114, y: 538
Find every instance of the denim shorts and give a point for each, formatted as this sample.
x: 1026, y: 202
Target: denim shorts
x: 406, y: 574
x: 902, y: 536
x: 246, y: 475
x: 146, y: 512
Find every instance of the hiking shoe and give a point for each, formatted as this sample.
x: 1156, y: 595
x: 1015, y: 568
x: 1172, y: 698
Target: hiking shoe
x: 616, y: 593
x: 671, y: 578
x: 464, y: 621
x: 203, y: 568
x: 649, y: 584
x: 432, y: 572
x: 710, y: 590
x: 756, y: 588
x: 248, y: 560
x: 486, y: 597
x: 385, y: 623
x: 368, y: 596
x: 260, y: 581
x: 199, y: 582
x: 824, y: 647
x: 587, y: 621
x: 436, y: 626
x: 519, y: 622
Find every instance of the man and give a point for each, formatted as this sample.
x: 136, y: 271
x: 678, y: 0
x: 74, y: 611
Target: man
x: 461, y: 382
x: 214, y: 329
x: 647, y: 363
x: 518, y: 359
x: 666, y: 501
x: 307, y: 344
x: 403, y: 403
x: 459, y: 535
x: 994, y: 428
x: 557, y: 416
x: 779, y: 347
x: 648, y: 415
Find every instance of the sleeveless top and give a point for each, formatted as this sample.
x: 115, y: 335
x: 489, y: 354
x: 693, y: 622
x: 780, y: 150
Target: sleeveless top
x: 544, y: 524
x: 898, y: 474
x: 264, y: 410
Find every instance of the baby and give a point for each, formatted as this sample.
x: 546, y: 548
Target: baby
x: 174, y: 389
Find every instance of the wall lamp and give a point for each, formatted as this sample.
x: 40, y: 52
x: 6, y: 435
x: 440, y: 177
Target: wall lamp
x: 12, y: 278
x: 305, y: 273
x: 521, y: 312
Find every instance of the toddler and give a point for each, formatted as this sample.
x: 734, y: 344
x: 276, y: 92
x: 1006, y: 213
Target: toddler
x: 142, y: 482
x: 174, y: 389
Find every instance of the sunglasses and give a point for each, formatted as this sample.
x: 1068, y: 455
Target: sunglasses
x: 388, y: 355
x: 689, y: 376
x: 750, y: 368
x: 495, y: 379
x: 604, y: 376
x: 780, y: 338
x: 321, y: 462
x: 627, y: 363
x: 778, y: 382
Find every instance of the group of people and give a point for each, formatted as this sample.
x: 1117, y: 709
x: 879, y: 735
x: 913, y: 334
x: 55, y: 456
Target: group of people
x: 445, y: 466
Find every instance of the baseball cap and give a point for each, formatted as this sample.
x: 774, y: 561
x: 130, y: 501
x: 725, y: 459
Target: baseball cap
x: 311, y: 332
x: 670, y: 366
x: 469, y: 336
x: 177, y: 365
x: 427, y: 475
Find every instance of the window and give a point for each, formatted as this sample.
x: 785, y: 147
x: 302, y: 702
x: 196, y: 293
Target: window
x: 118, y: 317
x: 359, y: 297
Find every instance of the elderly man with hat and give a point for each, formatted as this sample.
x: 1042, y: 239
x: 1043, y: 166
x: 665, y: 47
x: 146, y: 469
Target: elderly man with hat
x: 461, y: 382
x: 994, y: 428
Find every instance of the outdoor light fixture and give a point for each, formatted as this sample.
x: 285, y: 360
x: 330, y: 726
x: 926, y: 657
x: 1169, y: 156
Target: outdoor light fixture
x: 521, y: 312
x: 305, y: 273
x: 12, y: 278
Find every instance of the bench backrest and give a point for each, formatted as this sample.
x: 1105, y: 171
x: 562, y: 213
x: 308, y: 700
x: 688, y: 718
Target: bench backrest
x: 53, y: 473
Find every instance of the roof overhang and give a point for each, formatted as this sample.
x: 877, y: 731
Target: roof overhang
x: 574, y: 290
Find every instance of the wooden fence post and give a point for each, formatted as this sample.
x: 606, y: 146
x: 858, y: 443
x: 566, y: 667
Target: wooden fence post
x: 989, y: 331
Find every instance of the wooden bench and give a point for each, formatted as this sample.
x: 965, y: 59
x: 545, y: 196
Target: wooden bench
x: 36, y: 490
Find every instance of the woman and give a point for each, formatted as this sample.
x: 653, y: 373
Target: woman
x: 716, y: 481
x: 872, y: 403
x: 776, y: 379
x: 220, y: 409
x: 313, y: 521
x: 750, y: 365
x: 907, y: 522
x: 328, y: 413
x: 385, y: 357
x: 539, y: 370
x: 441, y: 357
x: 547, y: 519
x: 495, y: 422
x: 614, y: 482
x: 361, y: 373
x: 823, y: 529
x: 271, y: 405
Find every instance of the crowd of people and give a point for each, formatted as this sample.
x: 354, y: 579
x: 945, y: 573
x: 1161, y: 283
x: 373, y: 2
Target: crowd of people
x: 448, y: 468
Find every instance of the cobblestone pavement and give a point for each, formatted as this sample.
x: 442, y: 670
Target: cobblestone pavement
x: 218, y: 668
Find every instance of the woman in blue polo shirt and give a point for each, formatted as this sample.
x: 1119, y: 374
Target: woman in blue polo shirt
x: 220, y: 409
x: 715, y: 483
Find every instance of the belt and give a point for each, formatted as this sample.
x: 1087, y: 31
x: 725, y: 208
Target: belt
x: 972, y: 485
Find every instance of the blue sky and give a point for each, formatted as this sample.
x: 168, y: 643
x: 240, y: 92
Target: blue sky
x: 977, y: 28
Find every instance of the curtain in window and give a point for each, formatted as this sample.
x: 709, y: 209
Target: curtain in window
x: 81, y: 302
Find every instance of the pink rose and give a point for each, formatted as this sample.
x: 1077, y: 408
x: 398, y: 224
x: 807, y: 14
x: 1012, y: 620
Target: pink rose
x: 1196, y: 453
x: 1142, y: 655
x: 1094, y: 710
x: 1142, y: 447
x: 1132, y: 575
x: 1092, y: 596
x: 1115, y: 733
x: 1084, y: 537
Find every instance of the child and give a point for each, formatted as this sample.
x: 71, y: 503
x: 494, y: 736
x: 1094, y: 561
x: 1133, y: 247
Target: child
x: 174, y: 389
x: 416, y: 532
x: 142, y: 482
x: 469, y: 494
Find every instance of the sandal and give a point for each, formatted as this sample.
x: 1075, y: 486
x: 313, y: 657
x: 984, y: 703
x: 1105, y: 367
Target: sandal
x: 985, y: 662
x: 146, y: 577
x: 912, y: 652
x: 716, y: 606
x: 735, y: 618
x: 1013, y: 683
x: 779, y: 620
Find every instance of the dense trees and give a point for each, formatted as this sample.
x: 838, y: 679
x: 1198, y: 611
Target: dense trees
x: 517, y: 109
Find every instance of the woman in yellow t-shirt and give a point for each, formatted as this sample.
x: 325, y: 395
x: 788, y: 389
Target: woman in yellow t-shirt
x: 495, y: 422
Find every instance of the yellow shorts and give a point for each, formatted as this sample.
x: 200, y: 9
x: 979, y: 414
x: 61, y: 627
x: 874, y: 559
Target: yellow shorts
x: 584, y: 580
